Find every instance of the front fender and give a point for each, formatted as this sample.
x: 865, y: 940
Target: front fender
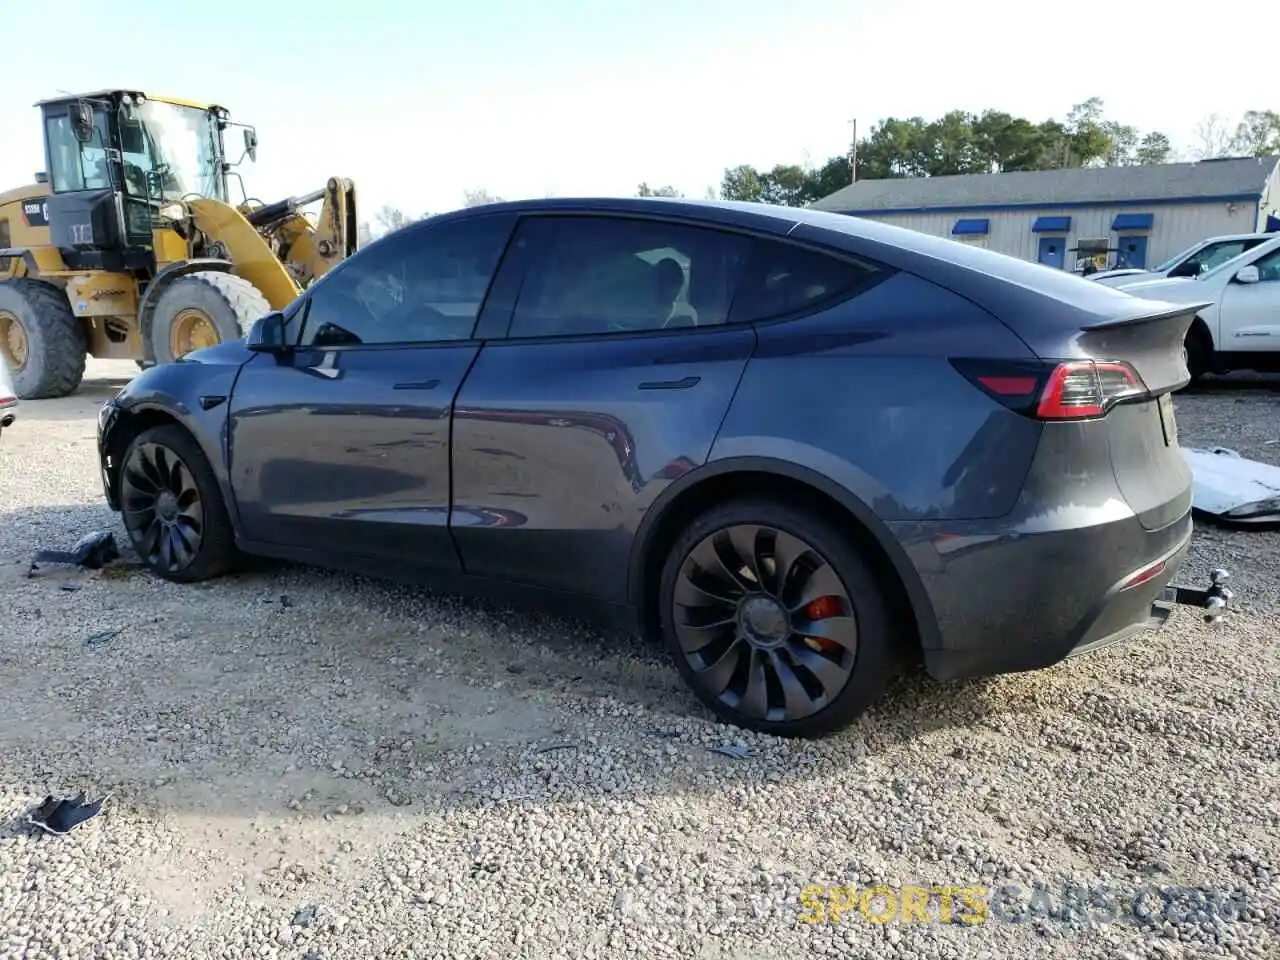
x: 194, y: 395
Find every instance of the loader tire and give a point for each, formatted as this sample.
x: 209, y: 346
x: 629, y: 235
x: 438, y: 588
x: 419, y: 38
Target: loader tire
x: 50, y: 343
x: 214, y: 304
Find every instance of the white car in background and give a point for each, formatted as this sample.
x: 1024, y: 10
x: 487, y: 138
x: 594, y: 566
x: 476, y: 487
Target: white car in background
x: 1240, y: 329
x: 1195, y: 260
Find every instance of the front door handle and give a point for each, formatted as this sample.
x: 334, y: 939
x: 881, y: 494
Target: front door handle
x: 418, y: 385
x: 682, y: 384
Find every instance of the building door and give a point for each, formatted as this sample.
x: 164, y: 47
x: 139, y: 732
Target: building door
x: 1053, y: 252
x: 1132, y: 252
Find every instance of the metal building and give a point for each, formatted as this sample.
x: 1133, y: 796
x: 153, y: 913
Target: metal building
x: 1139, y: 215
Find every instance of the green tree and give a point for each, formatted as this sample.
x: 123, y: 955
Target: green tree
x: 644, y: 190
x: 965, y: 143
x: 1154, y: 148
x: 1258, y: 134
x: 742, y: 182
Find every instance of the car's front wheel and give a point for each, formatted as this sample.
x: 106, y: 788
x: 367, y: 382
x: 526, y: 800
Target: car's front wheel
x: 173, y: 508
x: 775, y: 619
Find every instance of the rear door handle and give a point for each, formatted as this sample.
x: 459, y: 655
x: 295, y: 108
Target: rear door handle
x: 682, y: 384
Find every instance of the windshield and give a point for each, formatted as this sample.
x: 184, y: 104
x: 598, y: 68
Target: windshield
x: 1242, y: 259
x: 1176, y: 259
x: 171, y: 152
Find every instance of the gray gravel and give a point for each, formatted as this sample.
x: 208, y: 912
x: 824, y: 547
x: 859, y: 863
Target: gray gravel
x: 302, y: 764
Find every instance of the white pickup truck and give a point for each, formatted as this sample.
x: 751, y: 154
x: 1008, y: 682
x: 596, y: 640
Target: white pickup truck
x: 1240, y: 330
x: 1191, y: 262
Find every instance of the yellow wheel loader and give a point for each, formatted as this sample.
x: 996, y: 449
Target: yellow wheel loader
x: 128, y: 245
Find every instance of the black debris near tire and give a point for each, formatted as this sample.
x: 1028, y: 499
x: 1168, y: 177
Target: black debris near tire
x: 231, y: 302
x: 173, y: 508
x: 776, y: 620
x: 57, y: 344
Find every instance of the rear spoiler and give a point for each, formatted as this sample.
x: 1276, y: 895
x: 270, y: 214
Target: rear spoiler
x: 1145, y: 316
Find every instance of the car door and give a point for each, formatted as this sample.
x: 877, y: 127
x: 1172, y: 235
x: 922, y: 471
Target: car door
x: 616, y: 373
x: 1249, y: 314
x: 343, y: 444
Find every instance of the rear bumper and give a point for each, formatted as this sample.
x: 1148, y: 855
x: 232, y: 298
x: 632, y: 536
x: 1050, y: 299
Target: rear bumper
x: 1012, y: 603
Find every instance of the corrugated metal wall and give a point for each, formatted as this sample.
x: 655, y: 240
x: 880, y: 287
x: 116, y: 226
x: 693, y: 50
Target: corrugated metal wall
x: 1176, y: 226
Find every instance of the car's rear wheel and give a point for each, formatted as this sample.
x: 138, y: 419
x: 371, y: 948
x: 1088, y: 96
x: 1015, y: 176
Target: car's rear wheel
x: 775, y: 619
x: 172, y: 507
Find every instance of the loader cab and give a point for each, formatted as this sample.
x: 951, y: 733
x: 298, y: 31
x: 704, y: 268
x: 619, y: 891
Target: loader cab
x: 115, y: 159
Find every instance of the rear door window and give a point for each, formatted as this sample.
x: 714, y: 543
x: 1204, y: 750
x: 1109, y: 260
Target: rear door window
x: 593, y: 275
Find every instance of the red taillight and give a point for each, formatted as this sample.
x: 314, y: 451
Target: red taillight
x: 1087, y: 388
x: 1010, y: 386
x: 1144, y: 575
x: 1071, y: 390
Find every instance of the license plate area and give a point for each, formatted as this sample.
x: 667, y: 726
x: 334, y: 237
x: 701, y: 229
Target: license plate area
x: 1167, y: 422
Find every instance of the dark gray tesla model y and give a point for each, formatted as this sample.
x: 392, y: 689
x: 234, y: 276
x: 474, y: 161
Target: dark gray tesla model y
x: 804, y: 448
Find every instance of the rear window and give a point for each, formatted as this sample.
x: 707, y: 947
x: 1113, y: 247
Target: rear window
x: 782, y: 279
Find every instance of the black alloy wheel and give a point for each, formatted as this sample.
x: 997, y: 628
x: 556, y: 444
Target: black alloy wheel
x: 766, y: 626
x: 172, y: 506
x: 163, y: 511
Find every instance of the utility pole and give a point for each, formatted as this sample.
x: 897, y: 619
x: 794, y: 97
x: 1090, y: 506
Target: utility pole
x: 853, y: 153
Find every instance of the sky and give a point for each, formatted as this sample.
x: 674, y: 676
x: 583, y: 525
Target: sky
x: 420, y: 102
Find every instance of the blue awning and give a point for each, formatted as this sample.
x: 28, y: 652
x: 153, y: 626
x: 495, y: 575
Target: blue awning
x: 970, y: 228
x: 1051, y: 225
x: 1133, y: 221
x: 1273, y: 224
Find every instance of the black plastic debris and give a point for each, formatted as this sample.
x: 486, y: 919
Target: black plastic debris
x: 93, y: 552
x: 735, y: 750
x: 553, y: 747
x: 101, y: 637
x: 58, y: 815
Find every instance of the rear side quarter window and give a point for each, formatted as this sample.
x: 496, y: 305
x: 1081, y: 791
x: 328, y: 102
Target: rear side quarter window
x: 784, y: 279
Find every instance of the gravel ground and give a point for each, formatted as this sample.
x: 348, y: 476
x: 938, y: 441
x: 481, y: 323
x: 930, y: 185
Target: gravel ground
x: 305, y: 765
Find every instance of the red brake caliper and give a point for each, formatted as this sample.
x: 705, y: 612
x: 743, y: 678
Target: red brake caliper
x: 821, y: 609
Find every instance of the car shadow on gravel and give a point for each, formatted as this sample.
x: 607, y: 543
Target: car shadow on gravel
x: 313, y: 694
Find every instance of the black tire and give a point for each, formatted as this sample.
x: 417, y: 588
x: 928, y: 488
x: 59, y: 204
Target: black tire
x: 56, y: 341
x: 1199, y: 348
x: 230, y: 302
x: 877, y: 657
x: 216, y: 553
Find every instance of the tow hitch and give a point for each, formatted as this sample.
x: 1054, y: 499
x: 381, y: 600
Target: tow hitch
x: 1212, y: 601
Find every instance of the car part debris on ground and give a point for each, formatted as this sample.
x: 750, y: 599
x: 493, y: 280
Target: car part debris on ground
x: 60, y: 815
x: 101, y: 637
x: 1233, y: 488
x: 93, y: 552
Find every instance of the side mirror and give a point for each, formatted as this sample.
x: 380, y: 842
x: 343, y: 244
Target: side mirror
x: 1248, y: 274
x: 251, y: 143
x: 267, y: 335
x: 82, y: 120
